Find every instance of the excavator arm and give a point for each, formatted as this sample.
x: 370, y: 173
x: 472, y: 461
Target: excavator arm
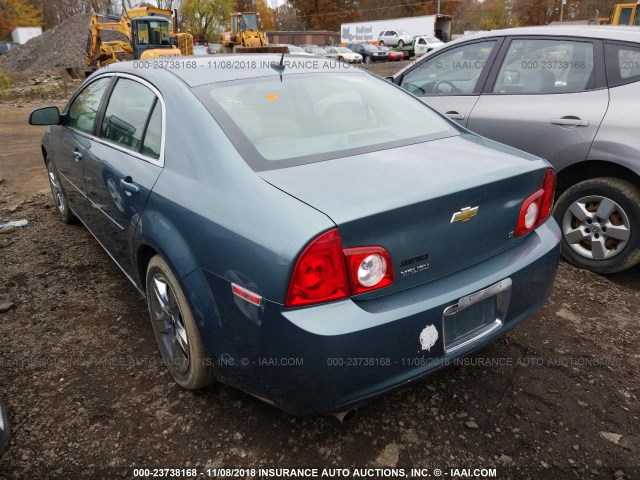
x: 101, y: 53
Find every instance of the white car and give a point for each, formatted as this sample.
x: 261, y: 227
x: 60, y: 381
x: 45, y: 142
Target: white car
x: 395, y: 38
x: 298, y: 50
x: 200, y: 50
x: 343, y: 54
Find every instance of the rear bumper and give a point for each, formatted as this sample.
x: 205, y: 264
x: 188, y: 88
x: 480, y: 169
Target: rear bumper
x: 335, y: 356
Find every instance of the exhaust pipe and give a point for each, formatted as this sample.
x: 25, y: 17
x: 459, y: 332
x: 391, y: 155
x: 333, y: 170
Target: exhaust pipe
x: 346, y: 416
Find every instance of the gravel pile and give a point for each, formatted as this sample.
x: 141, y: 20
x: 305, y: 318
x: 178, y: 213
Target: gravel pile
x: 61, y: 46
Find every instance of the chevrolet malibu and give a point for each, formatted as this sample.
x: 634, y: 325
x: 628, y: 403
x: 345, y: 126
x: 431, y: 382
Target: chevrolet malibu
x: 293, y: 235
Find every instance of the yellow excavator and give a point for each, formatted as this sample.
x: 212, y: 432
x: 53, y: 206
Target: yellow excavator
x: 245, y: 36
x: 149, y: 34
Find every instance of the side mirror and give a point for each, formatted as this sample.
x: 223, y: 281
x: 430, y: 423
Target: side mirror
x: 5, y: 429
x: 389, y: 79
x: 510, y: 77
x: 45, y: 116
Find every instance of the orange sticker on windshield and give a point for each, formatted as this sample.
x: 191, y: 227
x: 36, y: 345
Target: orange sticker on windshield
x: 272, y: 96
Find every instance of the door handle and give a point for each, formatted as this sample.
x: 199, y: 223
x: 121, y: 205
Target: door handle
x: 128, y: 185
x: 77, y: 156
x: 570, y: 121
x: 453, y: 115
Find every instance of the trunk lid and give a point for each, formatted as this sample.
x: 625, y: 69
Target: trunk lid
x: 403, y: 199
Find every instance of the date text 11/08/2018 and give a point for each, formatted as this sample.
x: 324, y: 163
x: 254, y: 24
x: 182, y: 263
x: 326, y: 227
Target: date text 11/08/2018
x: 233, y: 64
x: 315, y: 472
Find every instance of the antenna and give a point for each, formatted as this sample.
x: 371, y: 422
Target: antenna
x: 279, y: 67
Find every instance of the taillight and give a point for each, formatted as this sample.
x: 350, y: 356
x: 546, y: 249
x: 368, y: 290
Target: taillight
x: 369, y: 268
x: 537, y: 207
x: 321, y: 274
x: 549, y: 187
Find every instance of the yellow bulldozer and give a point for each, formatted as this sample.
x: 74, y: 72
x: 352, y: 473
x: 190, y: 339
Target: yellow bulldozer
x: 245, y: 36
x: 149, y: 34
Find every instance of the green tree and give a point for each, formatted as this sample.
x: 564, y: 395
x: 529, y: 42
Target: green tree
x: 267, y: 21
x: 206, y: 18
x: 286, y: 17
x: 18, y: 13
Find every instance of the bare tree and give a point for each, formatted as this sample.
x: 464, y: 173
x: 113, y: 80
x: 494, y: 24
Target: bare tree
x: 168, y: 4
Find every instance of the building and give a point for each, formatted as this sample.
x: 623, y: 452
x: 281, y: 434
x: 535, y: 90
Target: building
x: 24, y: 34
x: 318, y: 37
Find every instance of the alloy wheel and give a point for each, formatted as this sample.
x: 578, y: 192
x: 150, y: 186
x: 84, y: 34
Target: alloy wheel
x: 166, y: 312
x: 58, y: 194
x: 596, y: 227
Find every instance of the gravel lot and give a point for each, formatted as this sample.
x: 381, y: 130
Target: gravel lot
x: 88, y: 397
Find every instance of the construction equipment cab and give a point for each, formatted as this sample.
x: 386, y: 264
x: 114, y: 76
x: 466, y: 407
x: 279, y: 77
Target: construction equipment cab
x: 152, y: 33
x: 623, y: 14
x: 147, y: 38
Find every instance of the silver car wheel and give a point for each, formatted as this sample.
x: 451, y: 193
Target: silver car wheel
x: 596, y: 227
x: 58, y: 194
x: 166, y: 312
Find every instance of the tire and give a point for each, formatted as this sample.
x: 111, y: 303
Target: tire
x: 340, y: 59
x: 381, y: 43
x: 5, y: 429
x: 181, y: 348
x: 59, y: 196
x: 600, y: 223
x: 367, y: 59
x: 400, y: 43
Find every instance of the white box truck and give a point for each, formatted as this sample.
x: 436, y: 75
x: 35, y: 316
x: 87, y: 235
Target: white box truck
x: 428, y: 25
x: 22, y: 35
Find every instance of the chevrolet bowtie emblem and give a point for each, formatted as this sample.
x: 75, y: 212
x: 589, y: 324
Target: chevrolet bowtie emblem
x: 465, y: 214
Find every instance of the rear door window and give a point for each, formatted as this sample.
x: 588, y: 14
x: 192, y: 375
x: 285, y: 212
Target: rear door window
x: 153, y: 135
x: 623, y: 64
x: 534, y: 66
x: 127, y: 114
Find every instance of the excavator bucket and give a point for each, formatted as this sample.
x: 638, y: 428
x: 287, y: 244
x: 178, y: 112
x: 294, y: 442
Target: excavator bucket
x: 267, y: 49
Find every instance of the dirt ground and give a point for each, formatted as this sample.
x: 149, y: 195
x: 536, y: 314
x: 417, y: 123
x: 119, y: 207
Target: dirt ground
x: 88, y: 397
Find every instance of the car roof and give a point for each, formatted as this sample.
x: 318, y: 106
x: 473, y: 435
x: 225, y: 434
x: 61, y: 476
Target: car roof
x: 610, y: 32
x: 229, y: 67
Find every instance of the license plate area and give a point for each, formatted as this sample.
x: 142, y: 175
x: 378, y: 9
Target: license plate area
x: 475, y: 316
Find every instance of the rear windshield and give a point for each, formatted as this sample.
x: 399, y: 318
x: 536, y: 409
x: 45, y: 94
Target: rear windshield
x: 305, y: 118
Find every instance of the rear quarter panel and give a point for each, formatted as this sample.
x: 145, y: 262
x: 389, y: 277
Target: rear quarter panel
x: 618, y: 138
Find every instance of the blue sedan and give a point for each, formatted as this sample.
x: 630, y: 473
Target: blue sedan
x: 294, y: 236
